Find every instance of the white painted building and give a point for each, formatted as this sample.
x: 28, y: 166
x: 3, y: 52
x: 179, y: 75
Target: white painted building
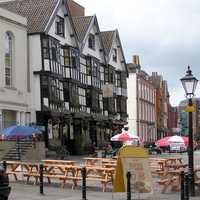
x: 14, y: 86
x: 141, y: 103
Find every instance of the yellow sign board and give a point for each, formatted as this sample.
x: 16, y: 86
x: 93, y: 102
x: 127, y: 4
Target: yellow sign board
x: 135, y: 160
x: 189, y: 109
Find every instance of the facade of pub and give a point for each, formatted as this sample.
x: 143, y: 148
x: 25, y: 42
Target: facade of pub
x: 70, y: 61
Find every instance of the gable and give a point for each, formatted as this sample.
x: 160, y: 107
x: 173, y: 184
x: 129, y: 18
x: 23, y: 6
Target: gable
x: 115, y: 56
x: 69, y: 35
x: 98, y: 51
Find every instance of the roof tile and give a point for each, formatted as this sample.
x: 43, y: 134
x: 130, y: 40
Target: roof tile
x: 38, y: 12
x: 107, y: 39
x: 81, y: 25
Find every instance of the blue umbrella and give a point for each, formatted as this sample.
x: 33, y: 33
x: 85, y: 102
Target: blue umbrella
x: 14, y: 132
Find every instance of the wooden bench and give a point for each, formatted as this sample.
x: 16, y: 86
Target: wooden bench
x: 166, y: 183
x: 96, y: 173
x: 50, y: 171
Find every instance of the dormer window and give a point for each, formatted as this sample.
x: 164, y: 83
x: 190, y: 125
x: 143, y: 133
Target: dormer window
x: 115, y: 55
x: 60, y: 26
x: 91, y: 41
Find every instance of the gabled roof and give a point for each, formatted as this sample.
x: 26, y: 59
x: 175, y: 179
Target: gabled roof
x: 107, y: 39
x: 38, y: 12
x: 82, y: 25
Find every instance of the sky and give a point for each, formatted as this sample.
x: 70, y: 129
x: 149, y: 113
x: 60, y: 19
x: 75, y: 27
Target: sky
x: 164, y: 33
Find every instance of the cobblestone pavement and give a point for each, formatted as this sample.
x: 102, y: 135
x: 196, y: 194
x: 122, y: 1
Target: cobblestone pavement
x: 22, y: 191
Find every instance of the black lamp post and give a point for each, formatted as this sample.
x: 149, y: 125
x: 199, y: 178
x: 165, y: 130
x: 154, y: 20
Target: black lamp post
x: 189, y: 83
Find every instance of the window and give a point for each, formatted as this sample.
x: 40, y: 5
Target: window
x: 114, y: 55
x: 66, y: 56
x: 82, y: 98
x: 44, y: 86
x: 89, y: 66
x: 106, y: 75
x: 60, y: 26
x: 118, y: 79
x: 8, y: 58
x: 74, y: 58
x: 123, y: 80
x: 45, y: 45
x: 95, y: 69
x: 91, y: 41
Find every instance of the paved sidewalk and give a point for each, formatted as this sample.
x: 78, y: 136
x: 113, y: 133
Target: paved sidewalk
x: 21, y: 191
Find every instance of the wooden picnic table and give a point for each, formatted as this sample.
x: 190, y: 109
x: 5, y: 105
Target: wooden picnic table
x: 96, y: 173
x: 90, y: 161
x: 111, y: 165
x: 61, y: 162
x: 177, y: 166
x: 13, y: 168
x: 174, y: 160
x: 172, y: 179
x: 62, y: 172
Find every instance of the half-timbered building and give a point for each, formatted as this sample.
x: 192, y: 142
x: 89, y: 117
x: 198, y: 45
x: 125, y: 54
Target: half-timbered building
x: 115, y: 74
x: 68, y: 68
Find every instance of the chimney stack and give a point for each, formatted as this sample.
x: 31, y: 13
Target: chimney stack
x: 136, y: 60
x: 75, y: 9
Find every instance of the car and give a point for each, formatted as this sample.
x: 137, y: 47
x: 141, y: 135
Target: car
x: 178, y: 148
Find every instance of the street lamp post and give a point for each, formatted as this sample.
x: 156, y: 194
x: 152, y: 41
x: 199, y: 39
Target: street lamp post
x: 189, y: 83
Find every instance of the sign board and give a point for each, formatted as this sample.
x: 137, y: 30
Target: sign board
x: 189, y: 109
x: 135, y: 160
x: 108, y: 90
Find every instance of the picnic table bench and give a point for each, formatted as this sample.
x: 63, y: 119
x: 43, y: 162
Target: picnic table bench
x: 172, y: 179
x: 104, y: 175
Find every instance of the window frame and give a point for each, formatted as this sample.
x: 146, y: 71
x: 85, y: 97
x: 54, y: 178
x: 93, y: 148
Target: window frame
x: 9, y: 67
x: 114, y: 56
x: 91, y: 41
x: 60, y: 26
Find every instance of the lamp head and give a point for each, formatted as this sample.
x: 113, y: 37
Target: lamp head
x: 189, y: 83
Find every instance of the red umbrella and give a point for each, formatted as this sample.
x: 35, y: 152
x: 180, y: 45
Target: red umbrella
x: 124, y: 136
x: 164, y: 141
x: 186, y: 141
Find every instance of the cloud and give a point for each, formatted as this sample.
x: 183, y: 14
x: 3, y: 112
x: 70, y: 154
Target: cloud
x: 165, y: 33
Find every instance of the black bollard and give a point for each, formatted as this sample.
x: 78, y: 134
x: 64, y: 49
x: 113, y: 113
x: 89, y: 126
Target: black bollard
x: 41, y: 179
x: 83, y: 172
x: 191, y: 184
x: 182, y: 186
x: 186, y: 187
x: 18, y: 149
x: 128, y: 175
x: 4, y: 165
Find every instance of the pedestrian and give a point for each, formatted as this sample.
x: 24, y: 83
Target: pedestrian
x: 93, y: 149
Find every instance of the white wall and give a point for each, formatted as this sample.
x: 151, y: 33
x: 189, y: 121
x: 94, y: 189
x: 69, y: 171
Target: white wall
x: 15, y: 98
x: 68, y: 29
x: 132, y: 103
x: 118, y: 65
x: 35, y: 63
x: 95, y: 53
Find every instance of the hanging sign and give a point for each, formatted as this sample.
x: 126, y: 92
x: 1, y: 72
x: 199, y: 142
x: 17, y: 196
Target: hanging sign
x: 108, y: 90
